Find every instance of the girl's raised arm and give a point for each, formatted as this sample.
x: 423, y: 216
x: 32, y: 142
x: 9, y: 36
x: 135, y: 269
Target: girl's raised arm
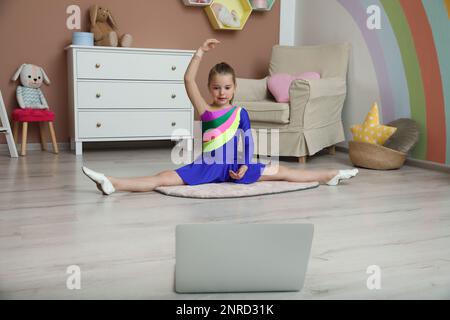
x: 189, y: 78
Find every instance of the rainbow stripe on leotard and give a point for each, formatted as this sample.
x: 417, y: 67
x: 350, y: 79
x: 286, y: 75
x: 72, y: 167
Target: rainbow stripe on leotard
x: 219, y: 128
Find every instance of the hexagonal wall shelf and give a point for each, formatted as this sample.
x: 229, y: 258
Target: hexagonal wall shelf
x: 242, y: 8
x: 262, y: 5
x: 197, y: 3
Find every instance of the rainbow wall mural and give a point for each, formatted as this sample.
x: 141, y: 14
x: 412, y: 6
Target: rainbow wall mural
x: 411, y: 56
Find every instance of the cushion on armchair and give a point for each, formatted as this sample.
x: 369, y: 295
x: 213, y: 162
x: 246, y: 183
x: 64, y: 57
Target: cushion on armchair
x: 251, y: 89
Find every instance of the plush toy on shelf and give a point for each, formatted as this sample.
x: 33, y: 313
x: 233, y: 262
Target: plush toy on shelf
x: 29, y: 94
x: 227, y: 18
x: 106, y: 33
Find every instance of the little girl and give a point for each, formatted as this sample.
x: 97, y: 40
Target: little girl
x: 219, y: 161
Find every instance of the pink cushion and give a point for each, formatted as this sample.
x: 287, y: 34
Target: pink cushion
x: 279, y: 84
x: 32, y: 115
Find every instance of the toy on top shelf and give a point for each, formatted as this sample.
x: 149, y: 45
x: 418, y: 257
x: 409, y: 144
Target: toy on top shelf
x: 227, y: 18
x: 262, y: 5
x: 229, y: 14
x: 197, y: 3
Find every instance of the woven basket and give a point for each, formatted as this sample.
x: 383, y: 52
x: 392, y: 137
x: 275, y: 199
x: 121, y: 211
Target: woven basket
x: 373, y: 156
x: 406, y: 136
x: 390, y: 156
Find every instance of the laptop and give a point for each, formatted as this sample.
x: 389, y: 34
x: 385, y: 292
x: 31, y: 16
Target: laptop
x: 241, y: 257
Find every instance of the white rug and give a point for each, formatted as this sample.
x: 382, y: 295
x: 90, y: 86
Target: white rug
x: 234, y: 190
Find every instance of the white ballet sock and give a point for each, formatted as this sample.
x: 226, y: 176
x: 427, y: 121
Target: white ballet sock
x: 342, y: 175
x: 103, y: 183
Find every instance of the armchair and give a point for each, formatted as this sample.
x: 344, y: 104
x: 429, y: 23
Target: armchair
x: 311, y: 121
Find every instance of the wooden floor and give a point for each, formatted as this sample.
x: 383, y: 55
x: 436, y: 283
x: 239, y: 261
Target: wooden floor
x: 52, y: 217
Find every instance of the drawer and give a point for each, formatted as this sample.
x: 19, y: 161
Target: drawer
x: 123, y: 124
x: 114, y: 94
x: 131, y: 66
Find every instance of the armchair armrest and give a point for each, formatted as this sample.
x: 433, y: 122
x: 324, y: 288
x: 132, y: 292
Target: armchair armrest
x: 316, y: 106
x: 317, y: 103
x: 251, y: 89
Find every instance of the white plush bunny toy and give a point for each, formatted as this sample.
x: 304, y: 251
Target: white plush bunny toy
x: 29, y: 94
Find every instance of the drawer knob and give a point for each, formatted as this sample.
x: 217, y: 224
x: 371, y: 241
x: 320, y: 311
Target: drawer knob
x: 174, y: 124
x: 97, y: 65
x: 98, y: 95
x: 174, y: 96
x: 99, y: 124
x: 174, y: 68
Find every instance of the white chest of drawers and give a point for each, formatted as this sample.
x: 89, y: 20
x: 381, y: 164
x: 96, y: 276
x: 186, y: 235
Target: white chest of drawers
x: 124, y: 94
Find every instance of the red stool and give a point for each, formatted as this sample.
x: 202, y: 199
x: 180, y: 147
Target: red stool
x: 27, y: 115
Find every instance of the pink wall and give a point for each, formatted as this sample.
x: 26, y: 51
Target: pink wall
x: 35, y: 32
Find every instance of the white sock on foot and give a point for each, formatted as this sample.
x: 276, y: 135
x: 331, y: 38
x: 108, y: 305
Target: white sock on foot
x: 342, y: 174
x: 100, y: 179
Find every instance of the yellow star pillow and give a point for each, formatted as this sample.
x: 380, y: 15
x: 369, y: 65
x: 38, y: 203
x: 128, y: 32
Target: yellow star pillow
x: 371, y: 131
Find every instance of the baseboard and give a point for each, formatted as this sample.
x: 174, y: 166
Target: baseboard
x: 428, y: 165
x: 97, y: 145
x: 412, y: 162
x: 36, y: 146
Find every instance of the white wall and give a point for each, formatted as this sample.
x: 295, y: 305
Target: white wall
x: 288, y: 19
x: 326, y: 21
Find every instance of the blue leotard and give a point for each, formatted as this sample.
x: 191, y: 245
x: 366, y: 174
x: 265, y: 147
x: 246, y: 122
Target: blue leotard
x: 221, y: 130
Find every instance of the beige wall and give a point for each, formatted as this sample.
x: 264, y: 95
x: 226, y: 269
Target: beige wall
x: 34, y: 31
